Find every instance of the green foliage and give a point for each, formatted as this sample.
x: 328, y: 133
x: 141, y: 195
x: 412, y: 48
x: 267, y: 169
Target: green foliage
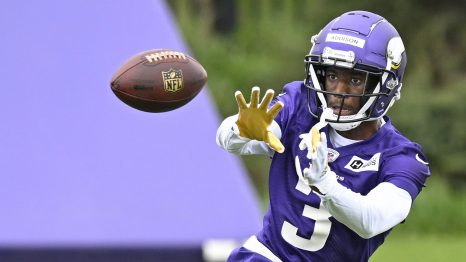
x: 438, y: 209
x: 434, y: 117
x: 267, y: 49
x: 425, y: 248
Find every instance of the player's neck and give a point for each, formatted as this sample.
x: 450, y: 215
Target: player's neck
x: 364, y: 131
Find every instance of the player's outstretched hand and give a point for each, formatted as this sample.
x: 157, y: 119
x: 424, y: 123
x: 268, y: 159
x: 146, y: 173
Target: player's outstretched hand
x: 254, y: 119
x: 318, y: 174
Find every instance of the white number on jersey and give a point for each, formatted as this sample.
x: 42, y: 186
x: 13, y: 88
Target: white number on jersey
x: 319, y: 215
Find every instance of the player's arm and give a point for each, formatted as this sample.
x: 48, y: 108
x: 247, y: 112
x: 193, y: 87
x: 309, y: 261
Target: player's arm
x: 382, y: 208
x: 252, y: 130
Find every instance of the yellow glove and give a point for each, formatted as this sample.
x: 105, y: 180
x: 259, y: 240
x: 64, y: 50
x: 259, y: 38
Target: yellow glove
x: 312, y: 139
x: 315, y: 138
x: 254, y: 119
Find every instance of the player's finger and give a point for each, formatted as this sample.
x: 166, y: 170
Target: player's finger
x: 255, y: 97
x: 240, y: 100
x: 321, y: 150
x: 309, y: 154
x: 302, y: 144
x: 323, y: 138
x: 315, y: 138
x: 322, y: 146
x: 273, y: 142
x: 306, y: 171
x: 267, y: 99
x: 274, y: 110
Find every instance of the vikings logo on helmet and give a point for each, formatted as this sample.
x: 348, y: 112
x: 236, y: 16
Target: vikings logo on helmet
x: 395, y: 50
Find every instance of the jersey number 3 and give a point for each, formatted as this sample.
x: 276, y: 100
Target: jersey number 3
x: 319, y: 215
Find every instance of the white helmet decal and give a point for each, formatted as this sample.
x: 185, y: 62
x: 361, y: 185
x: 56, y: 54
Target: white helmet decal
x: 395, y: 49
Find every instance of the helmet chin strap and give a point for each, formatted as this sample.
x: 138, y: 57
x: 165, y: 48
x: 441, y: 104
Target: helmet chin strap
x: 352, y: 125
x: 344, y: 126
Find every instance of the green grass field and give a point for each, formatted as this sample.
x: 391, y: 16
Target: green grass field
x: 425, y: 248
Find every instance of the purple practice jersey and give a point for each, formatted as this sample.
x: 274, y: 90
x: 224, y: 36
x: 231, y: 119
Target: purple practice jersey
x: 297, y: 227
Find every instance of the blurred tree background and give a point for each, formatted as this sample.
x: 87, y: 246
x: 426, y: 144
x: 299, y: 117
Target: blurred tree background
x: 245, y: 43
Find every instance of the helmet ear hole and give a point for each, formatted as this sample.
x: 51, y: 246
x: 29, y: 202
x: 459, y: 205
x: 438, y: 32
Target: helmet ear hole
x: 320, y: 73
x: 372, y: 82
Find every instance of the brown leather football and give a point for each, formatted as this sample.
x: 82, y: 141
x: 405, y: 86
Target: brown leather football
x: 158, y: 80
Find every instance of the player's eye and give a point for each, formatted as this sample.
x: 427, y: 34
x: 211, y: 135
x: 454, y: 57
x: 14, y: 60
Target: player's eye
x: 356, y: 82
x: 331, y: 76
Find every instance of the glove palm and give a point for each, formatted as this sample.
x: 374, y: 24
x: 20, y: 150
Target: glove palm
x: 254, y: 119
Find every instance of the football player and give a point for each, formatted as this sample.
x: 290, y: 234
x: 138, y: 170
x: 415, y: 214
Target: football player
x: 336, y: 192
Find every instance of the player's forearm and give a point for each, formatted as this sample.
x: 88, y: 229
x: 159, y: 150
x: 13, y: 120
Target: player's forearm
x: 381, y: 209
x: 228, y: 138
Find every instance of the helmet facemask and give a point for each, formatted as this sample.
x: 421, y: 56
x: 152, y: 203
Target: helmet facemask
x: 315, y: 81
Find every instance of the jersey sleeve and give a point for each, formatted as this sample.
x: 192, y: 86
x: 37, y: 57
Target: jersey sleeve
x: 291, y: 99
x: 407, y: 168
x: 228, y: 138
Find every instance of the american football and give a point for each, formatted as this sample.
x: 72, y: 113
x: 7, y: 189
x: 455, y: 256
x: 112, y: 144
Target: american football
x: 158, y: 80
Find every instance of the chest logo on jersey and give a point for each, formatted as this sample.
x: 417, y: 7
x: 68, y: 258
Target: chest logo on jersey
x: 357, y: 164
x: 332, y: 155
